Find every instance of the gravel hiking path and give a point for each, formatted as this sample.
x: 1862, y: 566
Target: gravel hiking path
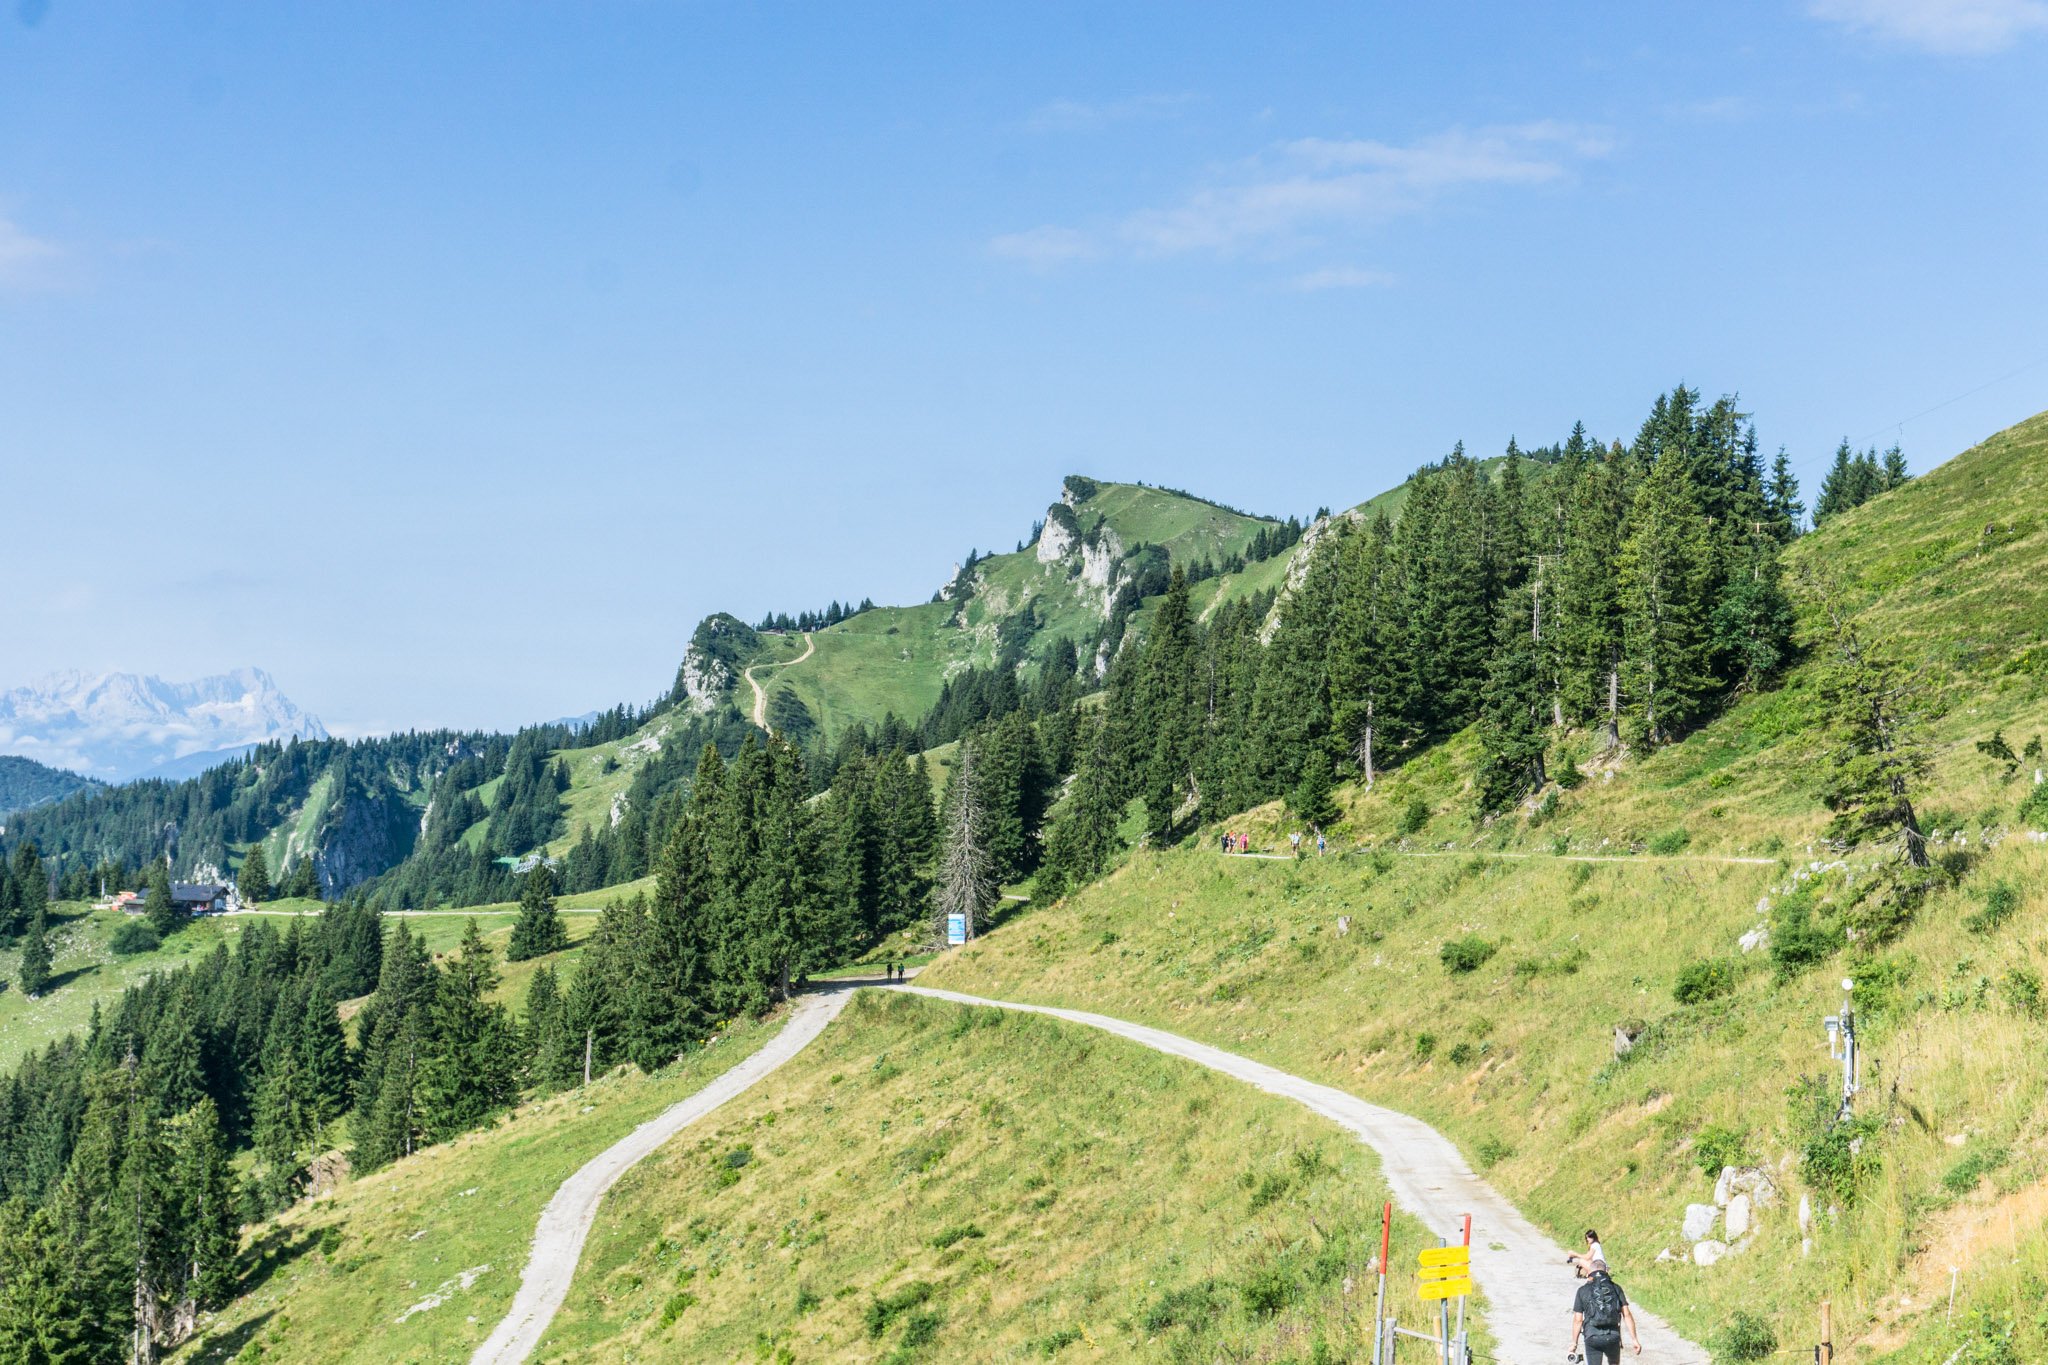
x: 760, y: 695
x: 1528, y: 1286
x: 565, y: 1222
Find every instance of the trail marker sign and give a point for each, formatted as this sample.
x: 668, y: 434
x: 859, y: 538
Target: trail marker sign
x: 1446, y: 1272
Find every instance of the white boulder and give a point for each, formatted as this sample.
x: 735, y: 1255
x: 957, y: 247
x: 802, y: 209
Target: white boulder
x: 1737, y: 1219
x: 1699, y: 1221
x: 1706, y: 1253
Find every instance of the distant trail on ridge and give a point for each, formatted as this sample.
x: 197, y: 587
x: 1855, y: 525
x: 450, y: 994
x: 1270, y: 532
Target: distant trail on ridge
x: 1528, y: 1286
x: 761, y: 696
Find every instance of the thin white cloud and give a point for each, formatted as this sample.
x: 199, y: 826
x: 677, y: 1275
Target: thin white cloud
x: 26, y: 262
x: 1086, y: 116
x: 1340, y: 277
x: 1958, y: 28
x: 1042, y: 248
x: 1299, y: 190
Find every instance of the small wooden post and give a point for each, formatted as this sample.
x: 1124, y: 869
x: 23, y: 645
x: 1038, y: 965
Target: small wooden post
x: 1827, y: 1333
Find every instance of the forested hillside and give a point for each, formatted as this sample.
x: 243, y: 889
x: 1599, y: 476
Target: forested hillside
x: 1604, y: 649
x: 25, y: 783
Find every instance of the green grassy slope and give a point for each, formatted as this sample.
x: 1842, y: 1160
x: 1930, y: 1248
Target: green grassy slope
x: 1594, y: 904
x: 355, y: 1274
x: 85, y: 970
x: 88, y: 972
x: 897, y: 658
x: 1025, y: 1189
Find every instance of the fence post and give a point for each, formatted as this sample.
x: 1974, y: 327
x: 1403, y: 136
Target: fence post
x: 1379, y: 1300
x: 1826, y: 1353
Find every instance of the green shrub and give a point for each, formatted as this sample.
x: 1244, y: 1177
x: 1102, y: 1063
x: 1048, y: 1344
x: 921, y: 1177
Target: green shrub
x: 806, y: 1299
x: 135, y: 936
x: 1425, y: 1044
x: 1745, y: 1336
x: 1704, y: 980
x: 1268, y: 1189
x: 1414, y: 817
x: 1671, y: 841
x: 1052, y: 1343
x: 1266, y: 1291
x: 727, y: 1172
x: 2022, y: 989
x: 921, y: 1329
x: 2034, y: 810
x: 886, y: 1309
x: 1460, y: 1054
x: 1191, y: 1305
x: 1491, y: 1151
x: 1799, y: 940
x: 677, y: 1305
x: 958, y: 1233
x: 2001, y: 902
x: 1964, y: 1176
x: 1467, y: 954
x: 1714, y: 1147
x: 1837, y: 1161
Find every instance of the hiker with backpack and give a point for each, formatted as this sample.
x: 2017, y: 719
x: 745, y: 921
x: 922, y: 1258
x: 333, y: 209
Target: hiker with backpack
x: 1598, y: 1312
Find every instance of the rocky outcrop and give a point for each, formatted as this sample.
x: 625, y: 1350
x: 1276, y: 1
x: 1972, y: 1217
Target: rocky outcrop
x: 711, y: 663
x: 1099, y: 555
x: 1061, y: 534
x: 1297, y: 565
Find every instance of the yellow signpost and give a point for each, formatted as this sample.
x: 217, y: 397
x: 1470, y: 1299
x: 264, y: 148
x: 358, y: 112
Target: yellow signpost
x: 1446, y: 1272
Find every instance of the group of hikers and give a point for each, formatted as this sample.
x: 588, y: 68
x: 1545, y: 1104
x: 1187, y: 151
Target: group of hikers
x: 1234, y: 842
x: 1600, y: 1309
x: 893, y: 970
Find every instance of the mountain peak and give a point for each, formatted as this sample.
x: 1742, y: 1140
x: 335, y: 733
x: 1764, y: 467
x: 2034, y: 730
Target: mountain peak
x: 116, y: 726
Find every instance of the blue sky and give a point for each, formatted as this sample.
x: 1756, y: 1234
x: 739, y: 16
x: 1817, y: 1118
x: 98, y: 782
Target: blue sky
x: 451, y: 361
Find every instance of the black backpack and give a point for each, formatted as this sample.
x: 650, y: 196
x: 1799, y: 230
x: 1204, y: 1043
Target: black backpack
x: 1605, y: 1301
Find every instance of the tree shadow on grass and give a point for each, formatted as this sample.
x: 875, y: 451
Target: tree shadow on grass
x: 272, y: 1252
x: 228, y: 1345
x: 62, y: 979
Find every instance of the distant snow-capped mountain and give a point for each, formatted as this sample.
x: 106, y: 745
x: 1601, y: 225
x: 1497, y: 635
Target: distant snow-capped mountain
x: 118, y: 726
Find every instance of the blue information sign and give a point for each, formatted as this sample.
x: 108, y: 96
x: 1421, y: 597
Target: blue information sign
x: 956, y: 930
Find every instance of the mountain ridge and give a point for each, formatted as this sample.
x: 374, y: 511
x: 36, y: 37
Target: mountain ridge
x: 118, y: 726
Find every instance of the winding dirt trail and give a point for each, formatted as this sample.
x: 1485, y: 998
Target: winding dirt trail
x: 1522, y: 1272
x: 760, y: 695
x: 1527, y: 1284
x: 565, y: 1223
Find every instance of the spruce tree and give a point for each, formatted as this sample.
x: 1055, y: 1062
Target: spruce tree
x: 1753, y: 620
x: 539, y: 929
x: 158, y: 907
x: 1782, y: 498
x: 1513, y: 732
x: 1876, y: 753
x: 966, y: 883
x: 254, y: 881
x: 1838, y: 488
x: 29, y: 887
x: 35, y: 957
x: 1365, y: 648
x: 1894, y: 468
x: 1310, y: 801
x: 1084, y: 835
x: 208, y: 1224
x: 1665, y: 582
x: 554, y: 1054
